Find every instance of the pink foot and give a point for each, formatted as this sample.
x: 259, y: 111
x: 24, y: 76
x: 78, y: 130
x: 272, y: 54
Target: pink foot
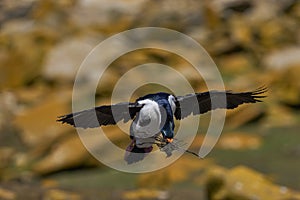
x: 131, y: 145
x: 134, y: 154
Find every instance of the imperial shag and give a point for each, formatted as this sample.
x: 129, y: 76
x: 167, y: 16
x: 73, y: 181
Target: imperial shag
x: 153, y: 115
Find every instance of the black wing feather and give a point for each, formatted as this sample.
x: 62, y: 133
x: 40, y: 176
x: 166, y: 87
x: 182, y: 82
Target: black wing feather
x: 200, y: 103
x: 102, y: 115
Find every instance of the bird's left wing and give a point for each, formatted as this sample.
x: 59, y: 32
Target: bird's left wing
x: 200, y: 103
x: 102, y: 115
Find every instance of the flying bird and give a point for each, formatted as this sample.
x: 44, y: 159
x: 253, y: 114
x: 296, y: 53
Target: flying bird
x: 153, y: 115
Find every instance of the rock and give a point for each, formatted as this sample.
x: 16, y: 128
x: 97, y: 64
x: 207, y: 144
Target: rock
x: 49, y: 183
x: 243, y: 183
x: 38, y: 123
x: 236, y: 63
x: 286, y: 90
x: 15, y: 10
x: 6, y: 194
x: 227, y: 7
x: 295, y: 10
x: 178, y: 15
x: 8, y: 108
x: 6, y: 156
x: 58, y: 194
x: 54, y: 14
x: 280, y: 116
x: 241, y: 34
x: 224, y: 46
x: 286, y: 6
x: 64, y: 60
x: 231, y: 140
x: 250, y: 80
x: 145, y: 194
x: 16, y: 38
x: 263, y: 11
x: 282, y: 59
x: 103, y: 13
x: 29, y: 96
x: 239, y: 141
x: 243, y: 114
x: 67, y: 153
x: 173, y: 174
x: 277, y: 34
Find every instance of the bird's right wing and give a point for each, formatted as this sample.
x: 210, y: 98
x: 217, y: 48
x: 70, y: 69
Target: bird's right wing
x: 200, y: 103
x: 102, y: 115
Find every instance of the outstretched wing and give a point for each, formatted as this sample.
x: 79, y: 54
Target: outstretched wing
x: 102, y: 115
x: 200, y: 103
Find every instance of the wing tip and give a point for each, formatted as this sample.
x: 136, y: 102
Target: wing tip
x: 260, y: 90
x: 256, y: 94
x: 68, y: 119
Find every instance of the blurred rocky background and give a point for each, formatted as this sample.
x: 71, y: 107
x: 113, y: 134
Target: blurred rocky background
x: 253, y: 42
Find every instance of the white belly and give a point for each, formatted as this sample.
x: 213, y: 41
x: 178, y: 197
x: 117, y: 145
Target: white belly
x: 147, y: 124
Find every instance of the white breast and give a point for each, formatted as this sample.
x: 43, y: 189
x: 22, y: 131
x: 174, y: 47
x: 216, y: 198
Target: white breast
x: 147, y: 123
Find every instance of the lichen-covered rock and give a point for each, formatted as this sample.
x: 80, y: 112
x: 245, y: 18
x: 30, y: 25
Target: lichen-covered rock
x: 6, y: 194
x: 103, y: 15
x: 180, y: 171
x: 145, y: 194
x: 57, y: 194
x: 37, y: 124
x: 23, y: 48
x: 63, y: 60
x: 283, y: 59
x: 68, y: 153
x: 239, y: 141
x: 8, y: 108
x: 243, y: 115
x: 243, y: 183
x: 6, y: 157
